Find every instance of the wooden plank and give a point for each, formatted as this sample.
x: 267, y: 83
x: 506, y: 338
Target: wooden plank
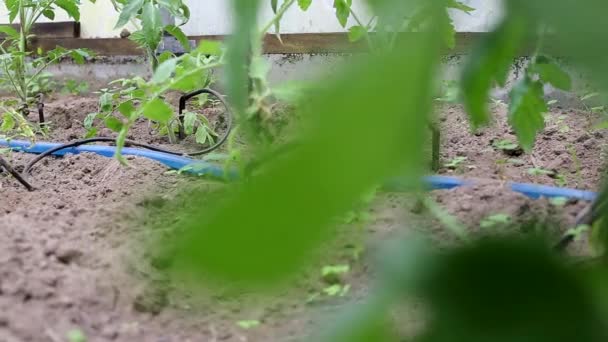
x: 101, y: 46
x: 312, y: 43
x: 64, y: 29
x: 299, y: 43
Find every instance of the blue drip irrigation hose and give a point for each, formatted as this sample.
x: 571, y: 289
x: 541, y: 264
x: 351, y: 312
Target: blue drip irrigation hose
x: 208, y: 169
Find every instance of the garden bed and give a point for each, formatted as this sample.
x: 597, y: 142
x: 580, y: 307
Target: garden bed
x: 71, y: 255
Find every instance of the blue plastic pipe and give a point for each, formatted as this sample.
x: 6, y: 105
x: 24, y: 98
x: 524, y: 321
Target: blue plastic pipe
x: 208, y: 169
x: 171, y: 161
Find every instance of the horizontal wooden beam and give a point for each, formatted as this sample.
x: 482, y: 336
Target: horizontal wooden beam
x: 298, y: 43
x: 54, y: 30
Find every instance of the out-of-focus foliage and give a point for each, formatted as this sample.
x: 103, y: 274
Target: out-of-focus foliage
x: 382, y: 31
x: 286, y: 211
x: 366, y: 124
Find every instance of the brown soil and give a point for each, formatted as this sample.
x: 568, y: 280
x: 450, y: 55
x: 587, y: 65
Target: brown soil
x: 71, y: 257
x: 565, y: 148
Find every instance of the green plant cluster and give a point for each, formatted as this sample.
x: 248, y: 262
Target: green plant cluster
x: 24, y: 72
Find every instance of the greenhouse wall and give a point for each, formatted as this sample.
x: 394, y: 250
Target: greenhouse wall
x: 212, y: 17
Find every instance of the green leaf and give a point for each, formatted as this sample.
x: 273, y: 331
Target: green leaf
x: 209, y: 47
x: 9, y: 31
x: 164, y: 71
x: 203, y: 135
x: 489, y: 63
x: 189, y: 122
x: 549, y: 72
x: 335, y: 120
x: 158, y: 110
x: 342, y: 11
x: 89, y: 120
x: 274, y: 4
x: 8, y: 123
x: 76, y: 335
x: 355, y: 33
x: 152, y: 25
x: 79, y: 55
x: 106, y: 102
x: 526, y: 111
x: 459, y: 6
x: 177, y: 9
x: 589, y: 96
x: 130, y: 10
x: 92, y: 132
x: 165, y: 56
x: 304, y: 4
x: 495, y: 220
x: 113, y: 123
x: 70, y: 7
x: 139, y: 38
x: 13, y: 9
x: 126, y: 108
x: 50, y: 14
x: 249, y: 324
x: 180, y: 36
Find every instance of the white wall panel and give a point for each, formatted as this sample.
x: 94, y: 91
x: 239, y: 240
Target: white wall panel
x: 212, y: 17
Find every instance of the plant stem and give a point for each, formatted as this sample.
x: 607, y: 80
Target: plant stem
x: 277, y: 16
x: 436, y: 146
x: 7, y: 71
x: 41, y: 69
x: 22, y: 49
x: 539, y: 44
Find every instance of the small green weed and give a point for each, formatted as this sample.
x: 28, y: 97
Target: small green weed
x: 248, y: 324
x: 75, y: 88
x: 495, y: 220
x: 505, y: 145
x: 538, y: 171
x: 558, y: 201
x: 76, y: 335
x: 456, y: 163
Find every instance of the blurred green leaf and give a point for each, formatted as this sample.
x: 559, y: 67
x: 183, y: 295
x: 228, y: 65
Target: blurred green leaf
x: 164, y: 71
x: 70, y: 7
x: 526, y: 111
x: 113, y: 123
x: 129, y: 11
x: 490, y: 62
x: 343, y: 11
x: 250, y: 247
x: 304, y: 4
x: 126, y: 108
x: 509, y: 290
x: 459, y: 6
x: 549, y: 72
x: 355, y: 33
x: 181, y: 37
x: 157, y: 110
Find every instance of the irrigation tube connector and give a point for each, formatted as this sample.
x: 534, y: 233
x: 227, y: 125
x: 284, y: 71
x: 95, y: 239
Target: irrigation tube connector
x: 9, y: 168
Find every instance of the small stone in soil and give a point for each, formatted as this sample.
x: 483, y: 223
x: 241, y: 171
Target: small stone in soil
x: 153, y: 300
x: 68, y: 255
